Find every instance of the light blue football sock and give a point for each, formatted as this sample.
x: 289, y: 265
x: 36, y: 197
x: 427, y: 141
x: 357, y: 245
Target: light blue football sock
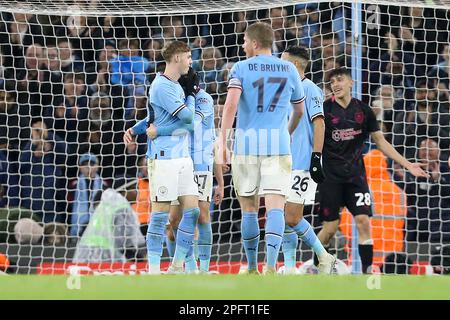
x: 290, y: 241
x: 250, y: 236
x: 204, y: 245
x: 307, y: 234
x: 274, y: 235
x: 155, y: 238
x: 185, y: 235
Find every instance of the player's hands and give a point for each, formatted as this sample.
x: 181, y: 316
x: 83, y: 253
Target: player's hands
x: 218, y: 194
x: 315, y: 168
x: 416, y: 170
x: 190, y: 82
x: 128, y: 136
x: 152, y: 133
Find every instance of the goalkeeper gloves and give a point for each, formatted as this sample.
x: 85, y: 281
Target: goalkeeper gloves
x: 315, y: 169
x: 190, y: 83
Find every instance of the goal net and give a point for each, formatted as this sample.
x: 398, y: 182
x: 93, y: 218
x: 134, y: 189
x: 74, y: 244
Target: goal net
x: 74, y: 76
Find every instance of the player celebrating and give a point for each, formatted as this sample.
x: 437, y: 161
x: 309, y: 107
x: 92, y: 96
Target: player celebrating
x: 202, y: 150
x: 170, y: 165
x: 348, y: 123
x: 261, y: 90
x: 306, y: 147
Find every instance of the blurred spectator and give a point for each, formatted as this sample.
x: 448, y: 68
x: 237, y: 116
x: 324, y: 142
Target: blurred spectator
x: 28, y: 81
x: 113, y: 234
x: 324, y: 56
x: 209, y: 68
x: 129, y: 66
x: 128, y: 69
x: 15, y: 38
x: 421, y: 123
x: 428, y: 199
x: 441, y: 71
x: 9, y: 119
x: 9, y: 177
x: 53, y: 78
x: 100, y: 80
x: 86, y: 186
x: 143, y: 206
x: 223, y: 83
x: 283, y: 36
x: 393, y: 67
x: 109, y: 28
x: 419, y: 35
x: 152, y: 52
x: 100, y: 110
x: 307, y: 24
x: 423, y: 92
x: 387, y: 108
x: 172, y: 28
x: 82, y: 39
x: 234, y: 35
x: 3, y: 71
x: 68, y: 60
x: 41, y: 176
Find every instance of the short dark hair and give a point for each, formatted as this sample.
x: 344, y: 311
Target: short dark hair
x: 299, y: 52
x: 342, y: 71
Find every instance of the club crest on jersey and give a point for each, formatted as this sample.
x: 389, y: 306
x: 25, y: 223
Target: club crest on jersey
x: 335, y: 120
x: 359, y: 117
x: 162, y: 191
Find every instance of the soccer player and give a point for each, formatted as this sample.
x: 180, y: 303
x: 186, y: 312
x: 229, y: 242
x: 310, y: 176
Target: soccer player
x: 348, y: 123
x: 202, y: 153
x: 170, y: 165
x: 306, y: 148
x: 261, y: 89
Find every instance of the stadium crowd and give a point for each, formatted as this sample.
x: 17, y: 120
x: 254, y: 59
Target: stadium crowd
x: 70, y: 88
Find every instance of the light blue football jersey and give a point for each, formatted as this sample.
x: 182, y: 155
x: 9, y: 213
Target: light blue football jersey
x: 204, y: 135
x: 302, y: 137
x: 166, y: 100
x: 269, y: 86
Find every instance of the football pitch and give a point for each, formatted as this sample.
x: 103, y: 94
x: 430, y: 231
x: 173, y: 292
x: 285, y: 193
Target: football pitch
x: 233, y: 287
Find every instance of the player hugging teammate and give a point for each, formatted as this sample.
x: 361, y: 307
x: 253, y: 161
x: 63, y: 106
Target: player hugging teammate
x: 176, y: 114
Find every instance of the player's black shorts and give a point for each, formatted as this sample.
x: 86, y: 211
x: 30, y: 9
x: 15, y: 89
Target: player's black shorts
x: 353, y: 195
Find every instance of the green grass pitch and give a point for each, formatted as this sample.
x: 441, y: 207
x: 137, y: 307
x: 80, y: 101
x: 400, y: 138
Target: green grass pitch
x: 209, y: 287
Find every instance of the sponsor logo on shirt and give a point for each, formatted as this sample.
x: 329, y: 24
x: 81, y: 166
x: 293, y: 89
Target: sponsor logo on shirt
x: 344, y: 134
x: 202, y: 100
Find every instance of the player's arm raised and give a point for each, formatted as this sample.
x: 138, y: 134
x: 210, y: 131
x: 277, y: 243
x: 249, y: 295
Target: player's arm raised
x: 389, y: 151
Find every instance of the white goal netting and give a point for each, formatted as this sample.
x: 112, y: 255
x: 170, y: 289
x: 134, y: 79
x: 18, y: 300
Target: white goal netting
x: 69, y: 91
